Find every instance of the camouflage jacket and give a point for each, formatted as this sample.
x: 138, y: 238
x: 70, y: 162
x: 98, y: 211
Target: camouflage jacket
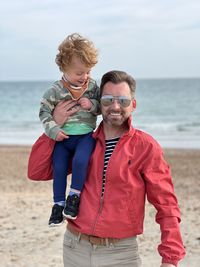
x: 57, y: 93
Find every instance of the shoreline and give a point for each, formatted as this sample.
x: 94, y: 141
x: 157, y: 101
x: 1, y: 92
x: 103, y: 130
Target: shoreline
x: 26, y: 205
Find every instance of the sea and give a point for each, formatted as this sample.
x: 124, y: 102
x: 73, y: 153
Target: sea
x: 167, y: 109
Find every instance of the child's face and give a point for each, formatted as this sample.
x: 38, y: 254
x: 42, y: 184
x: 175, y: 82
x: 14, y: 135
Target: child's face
x: 77, y: 73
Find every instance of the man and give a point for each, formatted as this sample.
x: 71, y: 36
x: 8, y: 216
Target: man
x: 126, y: 166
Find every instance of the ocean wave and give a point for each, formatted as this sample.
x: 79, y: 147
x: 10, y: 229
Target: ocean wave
x: 164, y: 110
x: 189, y: 127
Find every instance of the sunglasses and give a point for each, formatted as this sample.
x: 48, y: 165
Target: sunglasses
x: 108, y: 100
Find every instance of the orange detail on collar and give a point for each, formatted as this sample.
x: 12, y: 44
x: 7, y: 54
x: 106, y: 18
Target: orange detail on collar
x: 75, y: 93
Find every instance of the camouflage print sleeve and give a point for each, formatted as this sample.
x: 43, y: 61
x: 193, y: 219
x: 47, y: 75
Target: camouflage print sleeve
x: 47, y: 106
x: 95, y: 101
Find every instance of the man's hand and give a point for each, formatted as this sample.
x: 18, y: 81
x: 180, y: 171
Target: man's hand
x: 85, y: 103
x: 64, y: 110
x: 61, y: 136
x: 167, y: 265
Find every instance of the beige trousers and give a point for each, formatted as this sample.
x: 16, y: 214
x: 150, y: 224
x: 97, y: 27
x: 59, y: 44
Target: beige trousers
x: 81, y: 253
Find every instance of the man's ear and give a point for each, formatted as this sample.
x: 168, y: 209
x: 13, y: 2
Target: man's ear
x: 134, y: 103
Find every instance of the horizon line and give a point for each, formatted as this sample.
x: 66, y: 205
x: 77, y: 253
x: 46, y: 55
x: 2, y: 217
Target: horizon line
x: 139, y: 78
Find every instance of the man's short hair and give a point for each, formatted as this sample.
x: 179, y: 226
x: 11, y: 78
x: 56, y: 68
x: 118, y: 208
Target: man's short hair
x: 116, y: 77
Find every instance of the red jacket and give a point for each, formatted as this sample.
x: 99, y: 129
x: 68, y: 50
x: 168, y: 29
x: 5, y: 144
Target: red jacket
x: 135, y: 170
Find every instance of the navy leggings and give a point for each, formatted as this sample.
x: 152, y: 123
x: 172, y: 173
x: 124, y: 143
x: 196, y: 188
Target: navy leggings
x: 78, y: 149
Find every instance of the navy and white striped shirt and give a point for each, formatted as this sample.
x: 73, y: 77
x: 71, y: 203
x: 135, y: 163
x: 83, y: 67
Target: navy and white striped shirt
x: 110, y: 145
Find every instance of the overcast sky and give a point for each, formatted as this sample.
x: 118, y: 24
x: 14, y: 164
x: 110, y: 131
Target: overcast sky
x: 147, y: 38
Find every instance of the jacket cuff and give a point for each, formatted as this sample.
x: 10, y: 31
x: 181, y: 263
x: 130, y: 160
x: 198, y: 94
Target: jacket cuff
x: 95, y: 109
x: 53, y: 132
x: 174, y: 262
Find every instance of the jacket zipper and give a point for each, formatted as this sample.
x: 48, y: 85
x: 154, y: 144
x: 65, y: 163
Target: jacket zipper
x: 101, y: 202
x: 102, y: 197
x: 98, y: 214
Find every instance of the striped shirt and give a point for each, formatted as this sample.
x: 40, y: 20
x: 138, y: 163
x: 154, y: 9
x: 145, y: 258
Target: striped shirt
x: 110, y: 145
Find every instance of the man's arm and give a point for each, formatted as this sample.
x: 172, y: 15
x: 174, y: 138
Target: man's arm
x: 160, y: 193
x: 48, y: 104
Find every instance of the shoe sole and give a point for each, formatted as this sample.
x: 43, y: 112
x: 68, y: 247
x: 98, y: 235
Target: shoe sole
x: 56, y: 224
x: 67, y: 216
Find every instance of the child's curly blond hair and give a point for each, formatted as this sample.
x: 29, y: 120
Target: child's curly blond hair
x: 76, y: 45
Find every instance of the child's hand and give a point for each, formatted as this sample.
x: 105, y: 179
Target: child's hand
x: 61, y: 136
x: 85, y: 103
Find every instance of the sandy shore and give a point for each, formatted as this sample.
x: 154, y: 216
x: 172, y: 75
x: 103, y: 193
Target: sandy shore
x: 25, y: 207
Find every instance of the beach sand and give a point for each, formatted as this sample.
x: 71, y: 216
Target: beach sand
x: 26, y: 239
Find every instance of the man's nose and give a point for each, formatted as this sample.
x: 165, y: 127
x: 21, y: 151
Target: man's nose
x: 116, y: 104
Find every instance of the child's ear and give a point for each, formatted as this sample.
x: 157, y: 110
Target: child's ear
x: 134, y: 103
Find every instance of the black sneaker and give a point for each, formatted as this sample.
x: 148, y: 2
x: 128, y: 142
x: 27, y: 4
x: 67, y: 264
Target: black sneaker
x: 56, y: 217
x: 71, y: 207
